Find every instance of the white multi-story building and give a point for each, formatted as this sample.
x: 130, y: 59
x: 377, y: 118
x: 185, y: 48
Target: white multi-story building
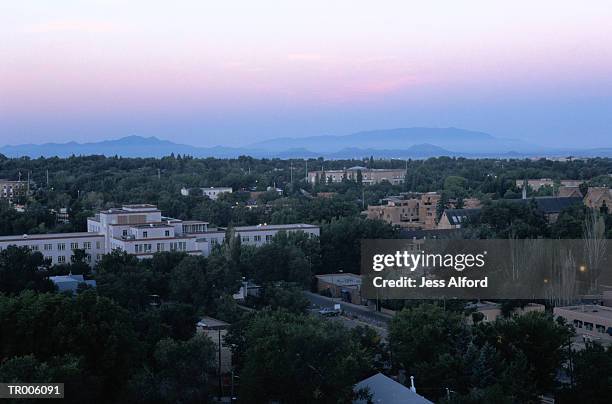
x: 59, y: 247
x: 141, y: 230
x: 212, y: 192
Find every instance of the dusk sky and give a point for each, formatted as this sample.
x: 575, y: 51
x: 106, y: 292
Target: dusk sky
x: 235, y: 72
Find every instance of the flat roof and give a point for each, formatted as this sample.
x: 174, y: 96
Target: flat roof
x: 276, y: 227
x: 152, y: 225
x: 212, y: 323
x: 341, y: 279
x: 590, y: 309
x: 49, y: 236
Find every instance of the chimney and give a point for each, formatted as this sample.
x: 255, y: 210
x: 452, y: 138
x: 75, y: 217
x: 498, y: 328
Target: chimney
x: 412, y: 388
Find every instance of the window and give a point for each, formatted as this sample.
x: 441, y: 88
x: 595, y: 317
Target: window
x: 268, y: 238
x: 245, y: 239
x: 145, y: 234
x: 167, y: 233
x: 61, y: 246
x: 577, y: 323
x: 257, y: 238
x: 588, y: 326
x: 600, y: 328
x: 124, y: 232
x: 48, y: 247
x: 74, y: 246
x: 160, y: 246
x: 97, y: 245
x: 87, y: 245
x: 34, y: 247
x: 61, y: 259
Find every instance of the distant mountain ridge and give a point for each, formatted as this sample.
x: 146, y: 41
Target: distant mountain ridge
x: 393, y: 143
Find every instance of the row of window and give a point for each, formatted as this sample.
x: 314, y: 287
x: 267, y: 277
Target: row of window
x: 86, y: 245
x: 589, y: 326
x: 147, y: 248
x: 61, y: 259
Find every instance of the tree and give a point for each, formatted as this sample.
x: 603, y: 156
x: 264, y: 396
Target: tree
x: 22, y: 269
x: 426, y: 341
x: 179, y: 373
x: 282, y: 348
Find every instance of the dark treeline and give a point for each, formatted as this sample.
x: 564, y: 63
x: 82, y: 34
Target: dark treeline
x: 87, y: 184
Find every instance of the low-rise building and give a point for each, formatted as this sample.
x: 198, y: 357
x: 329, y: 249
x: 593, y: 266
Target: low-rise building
x: 453, y: 218
x: 343, y: 285
x: 12, y: 189
x: 599, y: 198
x: 385, y: 390
x: 216, y: 330
x: 70, y: 283
x: 538, y: 183
x: 569, y: 192
x: 211, y: 192
x: 492, y: 311
x: 549, y: 206
x: 369, y: 176
x: 593, y: 322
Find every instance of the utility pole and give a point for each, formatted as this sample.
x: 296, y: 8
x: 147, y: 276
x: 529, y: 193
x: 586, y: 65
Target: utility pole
x: 291, y: 170
x: 47, y: 178
x: 28, y: 189
x: 306, y: 176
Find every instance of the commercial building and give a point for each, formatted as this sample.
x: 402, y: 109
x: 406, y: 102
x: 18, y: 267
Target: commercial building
x: 212, y: 192
x: 593, y: 322
x: 141, y: 230
x: 369, y: 176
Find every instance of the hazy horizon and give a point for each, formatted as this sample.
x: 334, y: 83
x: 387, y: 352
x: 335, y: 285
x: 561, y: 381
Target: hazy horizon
x: 231, y: 74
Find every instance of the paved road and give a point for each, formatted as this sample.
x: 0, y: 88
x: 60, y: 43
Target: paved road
x: 362, y: 313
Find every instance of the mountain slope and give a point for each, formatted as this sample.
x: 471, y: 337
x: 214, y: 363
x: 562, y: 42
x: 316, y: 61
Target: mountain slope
x: 458, y: 140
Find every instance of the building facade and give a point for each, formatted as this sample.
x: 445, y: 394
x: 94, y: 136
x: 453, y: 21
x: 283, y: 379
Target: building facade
x: 369, y: 176
x: 12, y: 189
x: 593, y: 322
x: 416, y: 212
x: 141, y: 230
x: 212, y: 192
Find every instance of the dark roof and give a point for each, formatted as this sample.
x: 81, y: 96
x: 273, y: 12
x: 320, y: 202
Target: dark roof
x: 550, y: 204
x: 420, y: 234
x: 456, y: 216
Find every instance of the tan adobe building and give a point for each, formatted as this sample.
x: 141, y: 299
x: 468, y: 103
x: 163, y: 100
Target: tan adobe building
x: 598, y: 198
x: 12, y: 189
x: 538, y: 183
x: 569, y: 192
x: 418, y: 211
x: 369, y: 176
